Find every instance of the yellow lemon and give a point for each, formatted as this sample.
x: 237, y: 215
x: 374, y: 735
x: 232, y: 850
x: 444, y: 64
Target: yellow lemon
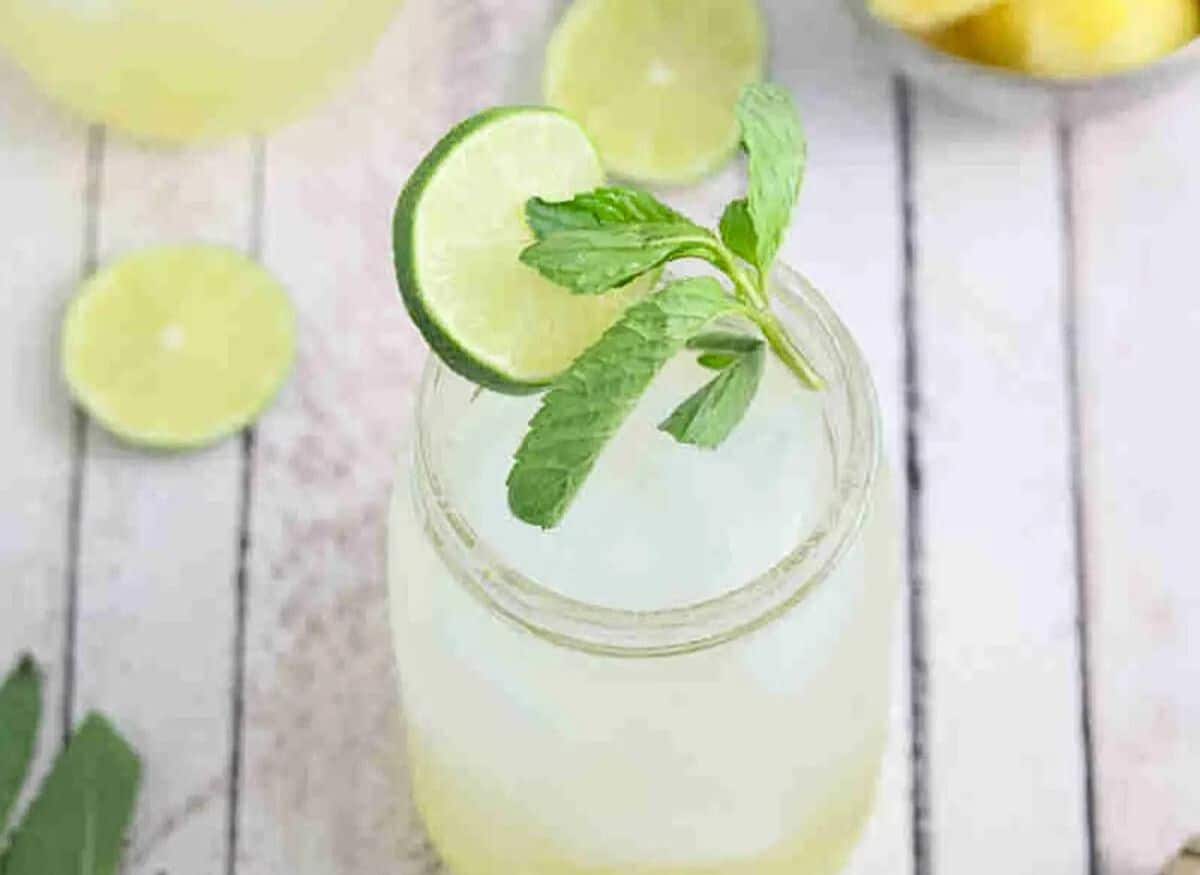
x: 1090, y: 37
x: 1073, y: 38
x: 927, y: 15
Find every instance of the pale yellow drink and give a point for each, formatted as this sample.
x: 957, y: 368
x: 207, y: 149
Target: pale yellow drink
x: 697, y: 681
x: 188, y: 69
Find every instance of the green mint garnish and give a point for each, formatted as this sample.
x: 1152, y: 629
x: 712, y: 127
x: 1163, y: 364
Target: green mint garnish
x: 602, y: 208
x: 737, y: 231
x: 708, y: 417
x: 20, y: 710
x: 596, y: 260
x: 726, y: 344
x: 775, y: 144
x: 609, y: 237
x: 715, y: 361
x: 76, y: 824
x: 587, y: 405
x: 719, y: 349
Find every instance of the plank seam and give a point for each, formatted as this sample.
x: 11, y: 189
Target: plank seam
x: 241, y: 577
x: 92, y: 194
x: 1070, y: 321
x: 918, y: 660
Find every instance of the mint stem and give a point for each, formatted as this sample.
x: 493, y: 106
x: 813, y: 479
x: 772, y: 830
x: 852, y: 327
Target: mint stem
x: 784, y: 347
x: 749, y: 291
x: 758, y: 310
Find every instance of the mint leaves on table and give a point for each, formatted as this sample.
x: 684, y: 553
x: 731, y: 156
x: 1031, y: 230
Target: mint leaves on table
x: 609, y: 237
x: 77, y: 822
x: 20, y: 710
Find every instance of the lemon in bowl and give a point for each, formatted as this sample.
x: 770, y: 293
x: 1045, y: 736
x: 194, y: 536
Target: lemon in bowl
x: 1036, y: 59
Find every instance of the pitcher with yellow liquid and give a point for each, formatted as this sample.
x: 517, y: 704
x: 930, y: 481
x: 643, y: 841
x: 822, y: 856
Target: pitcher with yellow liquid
x: 182, y: 70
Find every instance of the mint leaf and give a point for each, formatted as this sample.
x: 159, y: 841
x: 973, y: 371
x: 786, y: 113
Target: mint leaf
x: 77, y: 823
x: 737, y: 231
x: 604, y: 207
x: 709, y: 416
x: 20, y: 711
x: 716, y: 361
x: 724, y: 341
x: 720, y: 349
x: 774, y: 141
x: 588, y: 403
x: 593, y: 261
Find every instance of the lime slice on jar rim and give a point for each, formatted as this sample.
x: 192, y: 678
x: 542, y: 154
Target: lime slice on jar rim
x: 458, y: 232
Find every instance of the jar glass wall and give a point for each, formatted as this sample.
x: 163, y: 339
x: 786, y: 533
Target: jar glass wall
x: 713, y: 725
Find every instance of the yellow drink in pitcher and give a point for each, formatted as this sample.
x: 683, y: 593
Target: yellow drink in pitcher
x: 182, y: 70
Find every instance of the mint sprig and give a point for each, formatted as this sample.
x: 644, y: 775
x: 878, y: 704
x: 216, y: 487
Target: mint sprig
x: 596, y: 260
x: 778, y: 152
x: 601, y: 208
x: 77, y: 823
x: 609, y: 237
x: 587, y: 405
x: 709, y: 416
x: 719, y: 349
x: 737, y: 231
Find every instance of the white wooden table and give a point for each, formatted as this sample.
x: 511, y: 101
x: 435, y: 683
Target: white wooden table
x: 1029, y: 302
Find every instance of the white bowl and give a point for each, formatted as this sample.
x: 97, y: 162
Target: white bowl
x: 1011, y: 95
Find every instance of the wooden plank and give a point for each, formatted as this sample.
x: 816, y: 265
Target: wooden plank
x: 324, y: 785
x: 1137, y: 197
x: 847, y: 238
x: 852, y: 183
x: 1004, y: 708
x: 158, y: 543
x: 43, y: 158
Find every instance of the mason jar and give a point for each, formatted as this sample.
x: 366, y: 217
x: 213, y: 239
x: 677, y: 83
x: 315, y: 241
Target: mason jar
x: 691, y: 674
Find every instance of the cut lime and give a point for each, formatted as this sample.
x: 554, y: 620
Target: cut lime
x: 459, y: 229
x: 656, y: 83
x: 178, y: 346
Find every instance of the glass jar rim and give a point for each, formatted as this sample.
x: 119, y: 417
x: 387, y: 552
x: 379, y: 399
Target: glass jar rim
x: 592, y: 628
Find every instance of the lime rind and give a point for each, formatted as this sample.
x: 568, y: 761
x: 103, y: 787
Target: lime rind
x: 457, y: 358
x: 458, y: 230
x: 177, y: 348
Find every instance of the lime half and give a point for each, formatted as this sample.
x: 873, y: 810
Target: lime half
x: 459, y: 229
x: 178, y: 347
x: 656, y: 82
